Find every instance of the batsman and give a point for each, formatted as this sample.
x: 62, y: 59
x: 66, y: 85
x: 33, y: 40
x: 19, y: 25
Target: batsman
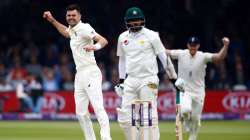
x: 138, y: 48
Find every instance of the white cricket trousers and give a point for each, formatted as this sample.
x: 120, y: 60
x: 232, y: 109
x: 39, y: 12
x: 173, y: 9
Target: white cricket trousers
x: 192, y: 107
x: 88, y: 88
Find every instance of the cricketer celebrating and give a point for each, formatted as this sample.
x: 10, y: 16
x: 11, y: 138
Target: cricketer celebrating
x: 88, y: 77
x: 192, y: 69
x: 137, y: 49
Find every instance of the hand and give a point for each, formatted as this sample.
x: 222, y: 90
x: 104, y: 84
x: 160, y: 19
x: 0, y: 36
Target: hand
x: 89, y: 48
x: 180, y: 84
x: 47, y: 15
x: 119, y: 89
x: 225, y: 41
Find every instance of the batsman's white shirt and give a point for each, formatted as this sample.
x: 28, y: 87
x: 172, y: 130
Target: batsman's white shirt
x: 140, y: 50
x: 192, y: 70
x: 81, y: 35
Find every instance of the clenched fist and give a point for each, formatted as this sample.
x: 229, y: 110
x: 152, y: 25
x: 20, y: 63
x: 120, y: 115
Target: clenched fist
x: 47, y: 15
x: 225, y: 41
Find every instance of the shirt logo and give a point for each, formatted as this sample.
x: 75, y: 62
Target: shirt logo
x: 134, y: 12
x: 152, y: 85
x: 125, y: 42
x: 141, y: 42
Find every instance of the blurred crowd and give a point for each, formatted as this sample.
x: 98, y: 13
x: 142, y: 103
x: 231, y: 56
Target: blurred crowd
x: 30, y: 46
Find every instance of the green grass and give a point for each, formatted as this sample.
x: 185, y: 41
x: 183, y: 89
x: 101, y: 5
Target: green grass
x: 50, y: 130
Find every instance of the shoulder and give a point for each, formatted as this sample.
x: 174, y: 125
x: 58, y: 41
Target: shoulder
x: 201, y: 53
x: 178, y: 52
x: 150, y: 33
x: 205, y: 55
x: 123, y: 35
x: 185, y: 51
x: 85, y: 26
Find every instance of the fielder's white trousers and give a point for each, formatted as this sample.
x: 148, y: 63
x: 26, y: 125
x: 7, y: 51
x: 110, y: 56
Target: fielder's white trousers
x: 88, y: 89
x: 191, y: 110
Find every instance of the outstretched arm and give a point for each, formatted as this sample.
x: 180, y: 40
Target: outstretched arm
x: 60, y: 27
x: 167, y: 65
x: 218, y: 57
x: 168, y: 52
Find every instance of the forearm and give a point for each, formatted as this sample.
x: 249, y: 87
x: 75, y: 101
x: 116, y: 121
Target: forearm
x: 163, y: 59
x: 101, y: 41
x: 223, y: 52
x: 60, y: 28
x: 218, y: 57
x: 122, y: 67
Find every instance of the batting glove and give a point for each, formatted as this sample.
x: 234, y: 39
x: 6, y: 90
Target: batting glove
x: 119, y: 89
x: 180, y: 84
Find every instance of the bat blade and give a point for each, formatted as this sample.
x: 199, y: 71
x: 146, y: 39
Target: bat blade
x: 178, y: 124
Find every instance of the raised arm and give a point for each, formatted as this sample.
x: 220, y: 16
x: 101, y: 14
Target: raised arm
x: 60, y: 27
x: 218, y: 57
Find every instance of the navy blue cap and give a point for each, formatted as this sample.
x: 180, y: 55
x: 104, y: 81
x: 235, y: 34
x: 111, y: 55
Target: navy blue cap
x: 193, y: 40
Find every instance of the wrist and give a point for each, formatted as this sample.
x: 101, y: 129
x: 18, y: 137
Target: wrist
x: 52, y: 21
x: 121, y: 81
x: 97, y: 46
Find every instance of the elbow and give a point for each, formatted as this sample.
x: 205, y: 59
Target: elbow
x: 221, y: 58
x: 66, y: 35
x: 106, y: 42
x: 168, y: 52
x: 218, y: 60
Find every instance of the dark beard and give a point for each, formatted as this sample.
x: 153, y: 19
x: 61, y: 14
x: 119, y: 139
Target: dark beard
x: 135, y: 29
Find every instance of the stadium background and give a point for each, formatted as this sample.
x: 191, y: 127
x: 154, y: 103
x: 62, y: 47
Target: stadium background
x: 31, y: 46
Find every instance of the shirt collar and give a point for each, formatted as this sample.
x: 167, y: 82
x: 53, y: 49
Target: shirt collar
x: 76, y: 26
x: 137, y: 33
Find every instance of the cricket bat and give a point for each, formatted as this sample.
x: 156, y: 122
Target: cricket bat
x: 178, y: 124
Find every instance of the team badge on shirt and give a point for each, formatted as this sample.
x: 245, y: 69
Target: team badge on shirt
x: 125, y: 42
x: 152, y: 85
x: 141, y: 42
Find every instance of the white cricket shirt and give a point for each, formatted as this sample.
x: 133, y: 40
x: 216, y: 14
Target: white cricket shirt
x: 80, y: 35
x: 192, y: 70
x: 140, y: 50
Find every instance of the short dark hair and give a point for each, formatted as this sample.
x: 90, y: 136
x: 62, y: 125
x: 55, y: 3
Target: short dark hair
x: 73, y: 7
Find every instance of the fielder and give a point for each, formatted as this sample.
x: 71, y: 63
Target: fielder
x: 88, y: 77
x: 137, y: 49
x: 192, y: 70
